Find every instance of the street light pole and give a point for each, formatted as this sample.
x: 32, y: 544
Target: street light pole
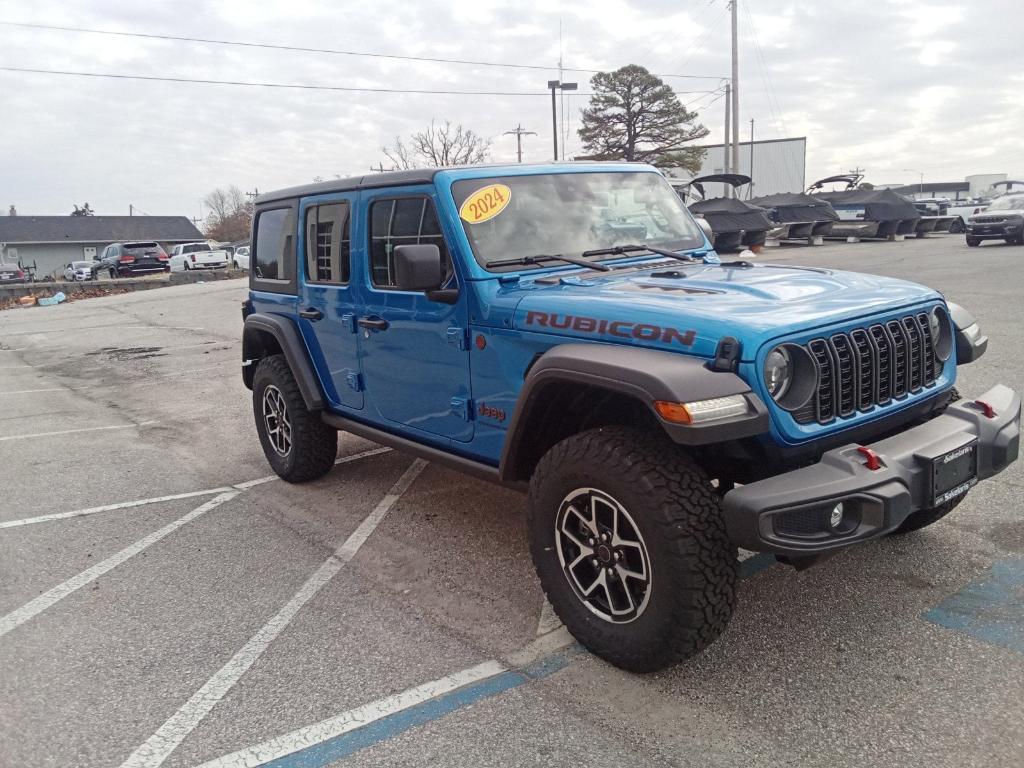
x: 557, y: 85
x: 920, y: 178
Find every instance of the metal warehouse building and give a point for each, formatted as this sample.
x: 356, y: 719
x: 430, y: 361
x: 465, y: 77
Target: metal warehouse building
x: 779, y: 165
x: 51, y: 242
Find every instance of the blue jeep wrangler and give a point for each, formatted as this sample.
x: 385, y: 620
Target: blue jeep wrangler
x: 568, y: 330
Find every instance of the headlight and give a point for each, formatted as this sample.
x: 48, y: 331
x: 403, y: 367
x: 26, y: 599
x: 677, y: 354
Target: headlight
x: 942, y: 334
x: 778, y: 372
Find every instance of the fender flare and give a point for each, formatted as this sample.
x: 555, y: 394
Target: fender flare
x: 970, y: 342
x: 290, y: 341
x: 646, y: 375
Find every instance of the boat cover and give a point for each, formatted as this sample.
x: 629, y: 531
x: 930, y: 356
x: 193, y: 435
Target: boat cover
x: 727, y: 214
x: 787, y: 207
x: 879, y: 204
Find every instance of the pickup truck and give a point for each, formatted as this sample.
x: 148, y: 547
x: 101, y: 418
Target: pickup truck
x: 188, y: 256
x: 568, y: 331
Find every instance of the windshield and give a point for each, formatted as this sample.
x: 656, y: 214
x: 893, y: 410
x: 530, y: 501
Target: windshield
x: 196, y: 247
x: 138, y: 246
x: 1007, y: 204
x: 512, y: 217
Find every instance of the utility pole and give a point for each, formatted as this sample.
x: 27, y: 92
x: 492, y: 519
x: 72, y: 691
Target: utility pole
x: 726, y: 146
x: 379, y: 168
x: 557, y: 85
x: 734, y: 5
x: 519, y: 133
x: 750, y: 186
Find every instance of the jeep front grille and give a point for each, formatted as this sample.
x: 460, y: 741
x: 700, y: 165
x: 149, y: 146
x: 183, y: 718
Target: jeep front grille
x: 870, y: 366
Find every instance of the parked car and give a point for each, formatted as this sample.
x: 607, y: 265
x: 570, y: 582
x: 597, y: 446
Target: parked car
x: 78, y: 271
x: 129, y: 259
x: 1003, y: 219
x: 660, y: 407
x: 189, y: 256
x: 241, y: 257
x: 12, y: 273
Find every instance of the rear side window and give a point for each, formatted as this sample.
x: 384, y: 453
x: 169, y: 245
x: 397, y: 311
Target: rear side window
x: 275, y: 245
x: 328, y: 244
x: 401, y: 221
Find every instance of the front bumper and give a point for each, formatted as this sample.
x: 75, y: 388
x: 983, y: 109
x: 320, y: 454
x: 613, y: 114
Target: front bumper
x: 996, y: 230
x: 789, y: 514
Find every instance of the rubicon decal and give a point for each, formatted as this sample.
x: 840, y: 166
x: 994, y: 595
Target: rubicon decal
x: 620, y: 328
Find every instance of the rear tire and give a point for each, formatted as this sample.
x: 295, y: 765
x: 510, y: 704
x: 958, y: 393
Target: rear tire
x: 973, y: 242
x: 649, y: 577
x: 186, y: 267
x: 297, y: 444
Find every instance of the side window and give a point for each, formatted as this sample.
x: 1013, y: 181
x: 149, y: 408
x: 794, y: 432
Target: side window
x: 401, y: 221
x: 328, y: 244
x: 275, y: 245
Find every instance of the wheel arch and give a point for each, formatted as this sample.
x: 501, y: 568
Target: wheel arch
x: 574, y: 387
x: 265, y: 335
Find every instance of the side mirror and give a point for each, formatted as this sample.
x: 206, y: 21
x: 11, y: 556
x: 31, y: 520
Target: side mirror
x: 705, y: 228
x: 418, y: 267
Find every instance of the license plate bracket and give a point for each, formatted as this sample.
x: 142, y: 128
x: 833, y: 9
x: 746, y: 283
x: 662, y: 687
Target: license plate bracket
x: 954, y: 473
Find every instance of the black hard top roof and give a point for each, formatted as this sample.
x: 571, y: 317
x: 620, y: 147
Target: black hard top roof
x: 398, y: 178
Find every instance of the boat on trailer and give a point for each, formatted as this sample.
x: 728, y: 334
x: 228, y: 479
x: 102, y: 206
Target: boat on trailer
x: 735, y: 223
x: 797, y: 216
x: 866, y: 212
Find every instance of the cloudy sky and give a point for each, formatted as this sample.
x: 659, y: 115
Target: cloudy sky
x: 936, y: 86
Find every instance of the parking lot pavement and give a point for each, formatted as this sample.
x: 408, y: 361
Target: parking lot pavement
x: 163, y: 601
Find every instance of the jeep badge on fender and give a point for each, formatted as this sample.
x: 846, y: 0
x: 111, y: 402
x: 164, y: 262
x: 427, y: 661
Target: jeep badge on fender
x: 568, y: 331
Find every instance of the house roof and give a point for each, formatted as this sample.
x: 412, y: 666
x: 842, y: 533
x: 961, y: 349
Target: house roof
x: 95, y: 229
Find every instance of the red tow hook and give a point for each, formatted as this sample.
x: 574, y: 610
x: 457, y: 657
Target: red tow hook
x: 988, y: 410
x: 873, y: 462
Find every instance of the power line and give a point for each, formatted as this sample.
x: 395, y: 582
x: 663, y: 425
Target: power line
x: 299, y: 86
x: 302, y: 49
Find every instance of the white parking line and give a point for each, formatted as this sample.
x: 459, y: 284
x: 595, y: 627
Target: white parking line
x: 171, y: 497
x: 306, y: 737
x: 109, y: 507
x: 32, y: 391
x: 76, y: 431
x: 38, y: 605
x: 343, y: 460
x: 161, y: 744
x: 359, y: 717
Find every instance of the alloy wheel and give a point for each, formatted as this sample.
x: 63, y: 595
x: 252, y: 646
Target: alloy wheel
x: 603, y: 555
x: 275, y: 417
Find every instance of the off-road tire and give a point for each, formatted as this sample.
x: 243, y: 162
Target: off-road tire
x: 973, y: 242
x: 693, y: 566
x: 314, y: 445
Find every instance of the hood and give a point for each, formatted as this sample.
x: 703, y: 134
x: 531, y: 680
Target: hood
x: 689, y: 307
x: 1000, y: 214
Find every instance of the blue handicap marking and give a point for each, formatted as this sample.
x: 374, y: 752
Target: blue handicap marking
x: 989, y: 609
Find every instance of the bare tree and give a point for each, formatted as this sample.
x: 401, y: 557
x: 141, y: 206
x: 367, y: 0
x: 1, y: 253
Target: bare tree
x: 230, y: 216
x: 85, y: 210
x: 438, y: 145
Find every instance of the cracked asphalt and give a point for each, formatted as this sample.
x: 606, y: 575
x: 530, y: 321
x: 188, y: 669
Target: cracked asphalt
x: 138, y: 397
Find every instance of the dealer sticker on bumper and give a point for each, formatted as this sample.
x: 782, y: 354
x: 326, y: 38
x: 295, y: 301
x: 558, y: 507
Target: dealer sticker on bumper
x: 954, y: 473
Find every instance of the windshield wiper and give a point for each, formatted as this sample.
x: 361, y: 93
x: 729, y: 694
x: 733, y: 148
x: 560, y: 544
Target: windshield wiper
x: 542, y: 258
x: 619, y: 250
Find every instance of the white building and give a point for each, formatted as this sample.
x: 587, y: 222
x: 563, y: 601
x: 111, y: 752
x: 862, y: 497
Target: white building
x: 776, y: 165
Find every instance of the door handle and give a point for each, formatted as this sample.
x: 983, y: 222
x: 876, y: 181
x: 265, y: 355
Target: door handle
x: 375, y: 323
x: 311, y: 314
